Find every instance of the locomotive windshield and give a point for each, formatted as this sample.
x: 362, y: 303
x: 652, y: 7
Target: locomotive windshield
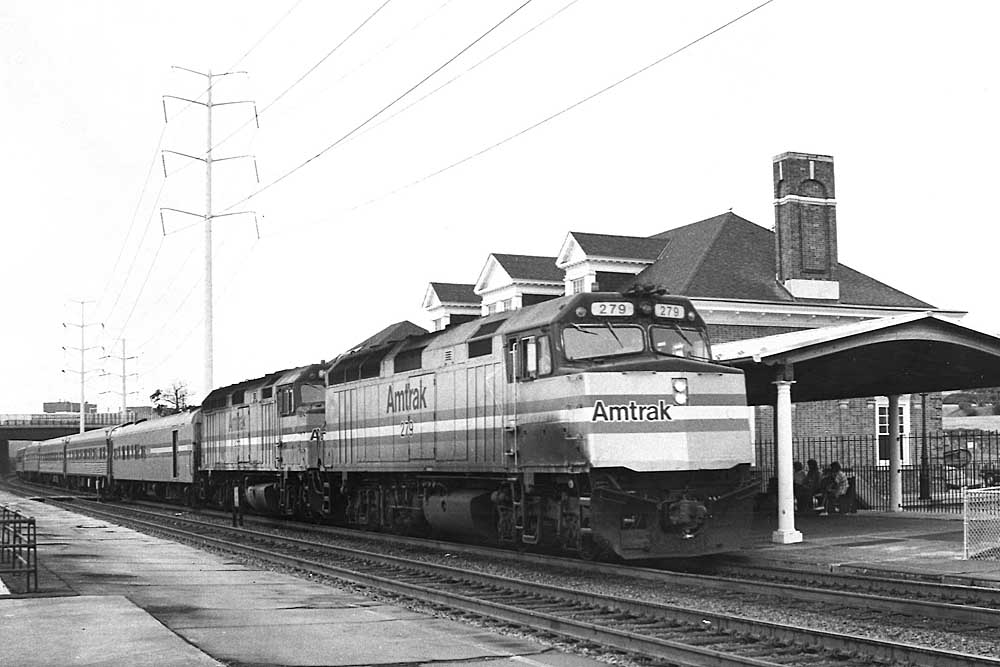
x: 588, y: 341
x: 678, y: 341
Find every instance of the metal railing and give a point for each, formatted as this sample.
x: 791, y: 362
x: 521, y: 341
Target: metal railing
x: 18, y: 548
x: 939, y: 466
x: 61, y: 419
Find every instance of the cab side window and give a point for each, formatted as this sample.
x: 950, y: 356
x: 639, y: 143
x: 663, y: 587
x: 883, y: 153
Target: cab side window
x: 286, y: 401
x: 529, y: 357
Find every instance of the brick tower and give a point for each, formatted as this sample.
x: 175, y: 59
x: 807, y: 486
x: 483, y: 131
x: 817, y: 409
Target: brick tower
x: 805, y: 225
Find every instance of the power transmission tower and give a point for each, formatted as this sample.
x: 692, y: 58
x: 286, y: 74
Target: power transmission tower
x: 124, y: 376
x: 83, y: 349
x: 208, y: 216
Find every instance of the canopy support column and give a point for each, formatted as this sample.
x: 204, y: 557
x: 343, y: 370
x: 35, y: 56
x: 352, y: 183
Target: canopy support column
x: 895, y: 457
x: 786, y: 533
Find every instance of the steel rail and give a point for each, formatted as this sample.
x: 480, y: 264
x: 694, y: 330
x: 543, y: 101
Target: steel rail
x: 621, y: 640
x: 888, y: 582
x: 766, y: 583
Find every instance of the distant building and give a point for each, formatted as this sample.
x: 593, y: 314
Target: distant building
x: 747, y: 281
x: 450, y: 303
x: 66, y: 406
x: 137, y: 412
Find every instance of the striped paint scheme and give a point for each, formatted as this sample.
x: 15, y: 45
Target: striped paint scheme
x: 460, y: 416
x: 696, y: 436
x: 144, y: 451
x: 366, y: 426
x: 256, y: 437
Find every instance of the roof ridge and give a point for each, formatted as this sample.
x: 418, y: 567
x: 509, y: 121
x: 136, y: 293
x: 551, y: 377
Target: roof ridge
x: 708, y: 247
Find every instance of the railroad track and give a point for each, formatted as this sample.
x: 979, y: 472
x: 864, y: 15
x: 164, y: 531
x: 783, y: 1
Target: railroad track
x: 655, y: 631
x: 912, y: 587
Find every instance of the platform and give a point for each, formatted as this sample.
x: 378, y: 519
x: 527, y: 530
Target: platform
x: 903, y: 545
x: 109, y: 595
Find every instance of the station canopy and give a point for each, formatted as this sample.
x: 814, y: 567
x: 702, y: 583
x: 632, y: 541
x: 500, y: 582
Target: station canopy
x: 903, y: 354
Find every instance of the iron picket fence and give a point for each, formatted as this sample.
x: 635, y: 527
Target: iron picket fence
x: 937, y: 466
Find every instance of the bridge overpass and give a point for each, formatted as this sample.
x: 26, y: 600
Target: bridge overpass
x: 47, y: 425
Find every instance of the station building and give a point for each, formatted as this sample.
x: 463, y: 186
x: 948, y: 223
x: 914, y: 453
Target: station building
x: 747, y: 282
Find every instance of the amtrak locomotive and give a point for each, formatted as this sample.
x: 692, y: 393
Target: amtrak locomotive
x: 592, y: 424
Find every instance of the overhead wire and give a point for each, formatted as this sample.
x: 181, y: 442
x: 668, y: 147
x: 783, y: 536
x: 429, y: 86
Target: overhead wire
x: 225, y: 288
x: 380, y: 111
x: 135, y: 256
x: 305, y: 74
x: 533, y: 126
x: 458, y: 76
x: 265, y: 35
x: 564, y: 110
x: 358, y: 67
x: 156, y: 151
x: 135, y: 216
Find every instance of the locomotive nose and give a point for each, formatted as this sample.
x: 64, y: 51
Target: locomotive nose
x: 685, y: 516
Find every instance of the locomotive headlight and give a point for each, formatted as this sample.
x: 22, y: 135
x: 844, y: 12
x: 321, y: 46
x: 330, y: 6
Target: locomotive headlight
x: 581, y: 311
x: 680, y: 386
x: 646, y: 308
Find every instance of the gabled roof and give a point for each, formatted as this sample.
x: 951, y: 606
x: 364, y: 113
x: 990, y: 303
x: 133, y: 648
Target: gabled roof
x: 623, y: 247
x: 530, y: 267
x: 455, y: 293
x: 392, y: 333
x: 729, y: 257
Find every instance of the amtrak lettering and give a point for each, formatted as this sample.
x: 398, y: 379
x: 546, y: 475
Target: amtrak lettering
x: 405, y: 399
x: 632, y: 412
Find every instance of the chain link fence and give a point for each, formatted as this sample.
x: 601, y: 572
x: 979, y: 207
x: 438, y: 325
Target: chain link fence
x: 981, y: 516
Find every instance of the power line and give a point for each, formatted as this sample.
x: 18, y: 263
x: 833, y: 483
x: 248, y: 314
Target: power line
x: 135, y: 256
x: 149, y: 171
x: 307, y: 72
x: 532, y: 126
x: 225, y: 289
x: 142, y: 288
x: 380, y: 111
x: 135, y: 215
x: 360, y: 66
x: 458, y: 76
x: 565, y: 109
x: 265, y: 35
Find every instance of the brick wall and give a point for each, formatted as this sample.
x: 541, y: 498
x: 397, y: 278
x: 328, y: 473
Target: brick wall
x: 849, y: 420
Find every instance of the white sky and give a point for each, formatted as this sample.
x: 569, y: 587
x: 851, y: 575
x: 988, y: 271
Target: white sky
x: 903, y: 94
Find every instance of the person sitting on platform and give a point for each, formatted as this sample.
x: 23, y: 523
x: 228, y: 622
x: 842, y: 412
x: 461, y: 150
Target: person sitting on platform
x: 835, y: 485
x: 803, y: 493
x: 812, y: 475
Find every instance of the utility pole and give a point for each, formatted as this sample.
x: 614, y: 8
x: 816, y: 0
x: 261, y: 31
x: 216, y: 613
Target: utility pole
x: 208, y: 216
x: 124, y: 376
x: 83, y: 355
